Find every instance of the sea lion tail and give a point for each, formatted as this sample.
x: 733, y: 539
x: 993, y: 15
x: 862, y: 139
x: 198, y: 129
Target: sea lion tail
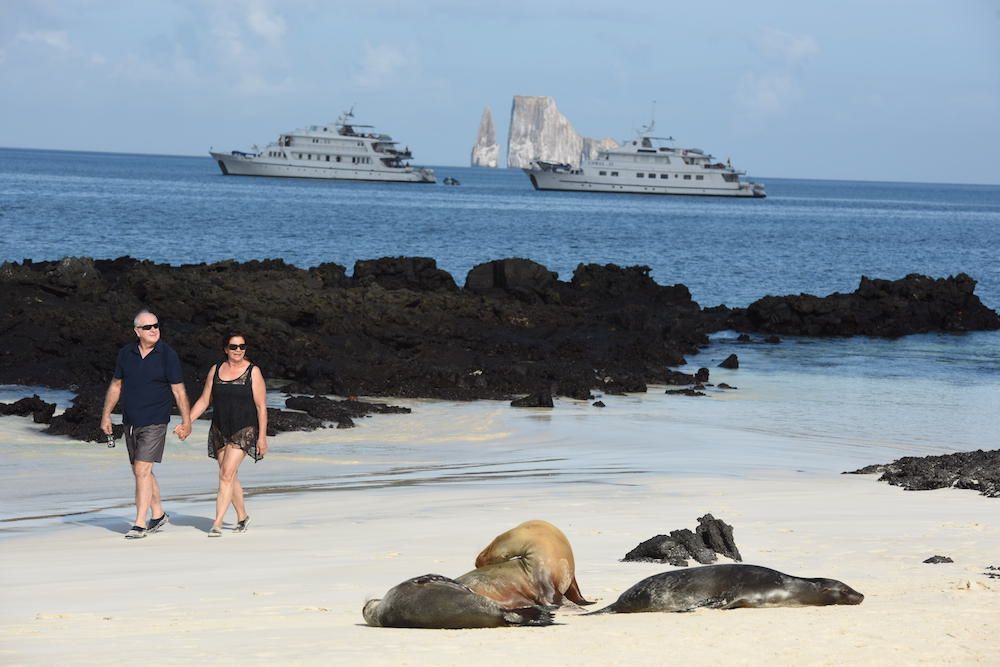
x: 534, y: 615
x: 610, y: 609
x: 573, y: 594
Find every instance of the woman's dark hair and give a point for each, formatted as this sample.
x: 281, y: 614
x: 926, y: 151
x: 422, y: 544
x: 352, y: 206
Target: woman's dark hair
x: 234, y: 334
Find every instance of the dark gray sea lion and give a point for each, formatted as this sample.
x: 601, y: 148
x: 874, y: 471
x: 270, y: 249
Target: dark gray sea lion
x: 530, y: 564
x: 729, y: 587
x: 434, y: 601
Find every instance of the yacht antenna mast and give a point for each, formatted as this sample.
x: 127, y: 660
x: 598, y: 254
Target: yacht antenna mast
x: 648, y: 129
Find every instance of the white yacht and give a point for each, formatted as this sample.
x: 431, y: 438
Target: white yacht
x: 646, y: 165
x: 340, y: 151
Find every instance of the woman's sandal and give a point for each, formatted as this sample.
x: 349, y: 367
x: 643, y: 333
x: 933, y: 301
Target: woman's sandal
x: 241, y: 526
x: 136, y: 533
x: 215, y: 532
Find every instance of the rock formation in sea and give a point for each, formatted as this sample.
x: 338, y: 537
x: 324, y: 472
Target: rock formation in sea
x: 538, y: 131
x: 400, y: 326
x: 486, y: 152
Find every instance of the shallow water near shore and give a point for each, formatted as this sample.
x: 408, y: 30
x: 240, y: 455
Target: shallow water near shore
x: 800, y: 406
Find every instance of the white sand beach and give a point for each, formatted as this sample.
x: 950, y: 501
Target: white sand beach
x: 341, y: 516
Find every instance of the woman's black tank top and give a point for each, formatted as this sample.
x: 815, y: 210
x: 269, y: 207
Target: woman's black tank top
x: 233, y: 404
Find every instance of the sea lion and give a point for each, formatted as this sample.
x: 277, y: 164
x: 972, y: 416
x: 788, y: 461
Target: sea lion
x: 529, y: 564
x: 729, y: 587
x: 434, y: 601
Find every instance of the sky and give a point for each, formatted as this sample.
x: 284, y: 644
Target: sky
x: 857, y: 90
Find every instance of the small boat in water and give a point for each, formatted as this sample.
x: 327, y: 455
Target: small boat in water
x: 448, y: 180
x: 646, y: 165
x: 343, y: 150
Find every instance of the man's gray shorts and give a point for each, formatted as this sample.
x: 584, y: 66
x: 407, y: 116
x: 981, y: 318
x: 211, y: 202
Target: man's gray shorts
x: 145, y: 443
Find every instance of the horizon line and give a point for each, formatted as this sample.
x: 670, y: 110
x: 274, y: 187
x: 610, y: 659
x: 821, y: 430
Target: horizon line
x: 466, y: 166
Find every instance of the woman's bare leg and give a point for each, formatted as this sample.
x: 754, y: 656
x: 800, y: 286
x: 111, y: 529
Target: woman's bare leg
x: 230, y: 459
x: 238, y: 504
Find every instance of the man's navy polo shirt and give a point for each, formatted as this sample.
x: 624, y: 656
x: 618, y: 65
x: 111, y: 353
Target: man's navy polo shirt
x: 146, y: 394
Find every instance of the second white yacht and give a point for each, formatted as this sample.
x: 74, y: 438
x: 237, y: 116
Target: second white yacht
x: 646, y: 165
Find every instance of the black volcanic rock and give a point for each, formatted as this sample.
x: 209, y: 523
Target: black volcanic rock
x: 417, y: 273
x: 978, y: 470
x: 541, y: 399
x: 887, y: 308
x: 732, y: 362
x: 40, y: 411
x: 82, y: 420
x: 690, y: 391
x: 660, y: 549
x: 399, y: 327
x: 281, y: 421
x: 937, y: 560
x: 711, y: 537
x: 679, y: 378
x: 342, y: 412
x: 518, y: 277
x: 718, y: 536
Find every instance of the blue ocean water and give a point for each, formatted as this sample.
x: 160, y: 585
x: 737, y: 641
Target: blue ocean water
x: 919, y: 394
x: 807, y: 236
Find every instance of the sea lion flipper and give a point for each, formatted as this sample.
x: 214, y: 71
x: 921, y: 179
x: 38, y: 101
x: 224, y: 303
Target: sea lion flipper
x: 535, y: 615
x: 573, y: 594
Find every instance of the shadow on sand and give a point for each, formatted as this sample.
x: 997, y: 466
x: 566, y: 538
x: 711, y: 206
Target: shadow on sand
x: 116, y: 523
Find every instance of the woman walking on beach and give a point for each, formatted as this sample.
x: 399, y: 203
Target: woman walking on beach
x: 235, y: 387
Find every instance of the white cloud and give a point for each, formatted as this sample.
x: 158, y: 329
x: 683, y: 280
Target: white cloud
x: 774, y: 89
x: 230, y: 44
x: 56, y: 39
x: 270, y: 27
x: 768, y: 94
x: 379, y: 64
x: 252, y: 84
x: 177, y: 68
x: 791, y: 50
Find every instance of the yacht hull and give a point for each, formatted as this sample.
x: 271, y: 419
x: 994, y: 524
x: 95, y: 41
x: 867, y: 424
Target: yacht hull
x: 547, y: 179
x: 249, y: 165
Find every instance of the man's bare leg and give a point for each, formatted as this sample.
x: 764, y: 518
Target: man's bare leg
x: 144, y: 482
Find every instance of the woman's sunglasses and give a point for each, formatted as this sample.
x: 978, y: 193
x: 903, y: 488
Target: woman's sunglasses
x: 147, y: 327
x: 237, y: 346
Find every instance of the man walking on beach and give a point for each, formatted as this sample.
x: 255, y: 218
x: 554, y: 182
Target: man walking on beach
x: 150, y: 374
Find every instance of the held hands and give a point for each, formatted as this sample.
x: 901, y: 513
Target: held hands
x: 182, y: 430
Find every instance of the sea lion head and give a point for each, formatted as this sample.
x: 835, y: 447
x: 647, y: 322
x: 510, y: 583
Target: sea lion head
x: 369, y: 611
x: 831, y: 591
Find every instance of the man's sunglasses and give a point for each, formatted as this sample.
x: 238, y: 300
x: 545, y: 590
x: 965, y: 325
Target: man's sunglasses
x: 237, y: 346
x: 147, y: 327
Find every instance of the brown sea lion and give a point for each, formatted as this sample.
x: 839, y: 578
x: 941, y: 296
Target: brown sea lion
x: 729, y: 587
x: 529, y: 564
x: 434, y: 601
